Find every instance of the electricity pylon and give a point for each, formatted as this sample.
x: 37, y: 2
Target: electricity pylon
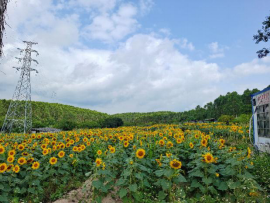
x: 19, y: 115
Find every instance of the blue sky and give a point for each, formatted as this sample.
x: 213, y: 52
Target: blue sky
x: 138, y: 55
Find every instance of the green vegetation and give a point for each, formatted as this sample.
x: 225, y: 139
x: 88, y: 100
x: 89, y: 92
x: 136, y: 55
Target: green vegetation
x: 237, y: 107
x: 231, y: 107
x: 58, y: 115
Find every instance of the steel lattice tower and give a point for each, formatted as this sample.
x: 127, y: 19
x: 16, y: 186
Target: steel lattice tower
x: 19, y: 115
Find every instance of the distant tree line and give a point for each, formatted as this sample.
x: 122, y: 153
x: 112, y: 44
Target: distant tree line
x: 226, y: 108
x: 230, y: 107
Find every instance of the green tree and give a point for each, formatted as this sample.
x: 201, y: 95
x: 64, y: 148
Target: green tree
x: 263, y: 35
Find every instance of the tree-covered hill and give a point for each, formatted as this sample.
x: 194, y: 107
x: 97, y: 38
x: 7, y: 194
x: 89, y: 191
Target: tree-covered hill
x: 57, y: 115
x: 67, y: 117
x: 232, y: 104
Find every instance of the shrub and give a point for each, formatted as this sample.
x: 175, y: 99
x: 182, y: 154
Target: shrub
x: 38, y: 124
x: 243, y: 118
x: 66, y: 125
x: 112, y: 122
x: 89, y: 124
x: 225, y: 118
x: 262, y: 170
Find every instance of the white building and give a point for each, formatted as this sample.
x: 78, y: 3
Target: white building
x: 261, y: 119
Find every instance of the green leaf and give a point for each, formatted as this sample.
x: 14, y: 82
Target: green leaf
x: 88, y: 174
x: 126, y: 173
x: 3, y: 198
x: 122, y: 192
x: 139, y: 176
x: 137, y: 196
x: 165, y: 184
x: 23, y: 190
x: 223, y: 186
x: 31, y: 190
x: 143, y: 168
x: 104, y: 189
x: 146, y: 183
x: 180, y: 179
x: 207, y: 181
x: 248, y: 175
x: 97, y: 184
x: 7, y: 188
x: 133, y: 187
x: 36, y: 182
x: 195, y: 184
x: 233, y: 185
x: 168, y: 172
x: 197, y: 173
x: 212, y: 190
x: 161, y: 195
x: 121, y: 181
x: 159, y: 173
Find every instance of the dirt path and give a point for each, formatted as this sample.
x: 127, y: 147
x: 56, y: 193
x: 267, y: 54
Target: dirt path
x: 84, y: 194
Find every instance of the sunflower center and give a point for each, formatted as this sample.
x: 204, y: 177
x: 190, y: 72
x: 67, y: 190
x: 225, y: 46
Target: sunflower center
x: 176, y: 164
x: 140, y: 153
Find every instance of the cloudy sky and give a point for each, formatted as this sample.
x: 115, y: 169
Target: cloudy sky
x: 136, y: 55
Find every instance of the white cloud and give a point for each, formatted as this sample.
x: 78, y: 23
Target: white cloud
x: 165, y: 31
x: 144, y: 73
x: 113, y: 27
x: 255, y: 67
x: 145, y: 6
x: 186, y: 45
x: 216, y: 51
x: 101, y: 6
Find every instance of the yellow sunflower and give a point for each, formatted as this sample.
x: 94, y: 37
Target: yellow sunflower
x: 191, y: 145
x: 35, y: 165
x: 53, y: 160
x: 168, y: 155
x: 10, y: 159
x: 126, y: 143
x: 112, y: 150
x: 45, y: 151
x: 3, y: 167
x: 2, y: 149
x: 22, y: 161
x: 99, y: 152
x: 61, y: 154
x: 161, y: 142
x: 169, y: 144
x: 9, y: 167
x: 98, y: 162
x: 16, y: 169
x: 175, y: 164
x: 204, y: 142
x: 222, y: 141
x: 208, y: 158
x: 140, y: 153
x: 20, y: 147
x: 178, y: 140
x: 11, y: 153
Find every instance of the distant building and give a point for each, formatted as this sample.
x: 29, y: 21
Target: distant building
x: 261, y: 119
x: 45, y: 130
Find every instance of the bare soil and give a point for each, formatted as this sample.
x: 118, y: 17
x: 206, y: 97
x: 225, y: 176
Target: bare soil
x: 84, y: 195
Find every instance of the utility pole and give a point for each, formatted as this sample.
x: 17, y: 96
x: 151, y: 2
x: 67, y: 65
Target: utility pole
x: 19, y: 115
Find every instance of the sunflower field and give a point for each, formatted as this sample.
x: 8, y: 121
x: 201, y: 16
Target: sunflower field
x: 159, y: 163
